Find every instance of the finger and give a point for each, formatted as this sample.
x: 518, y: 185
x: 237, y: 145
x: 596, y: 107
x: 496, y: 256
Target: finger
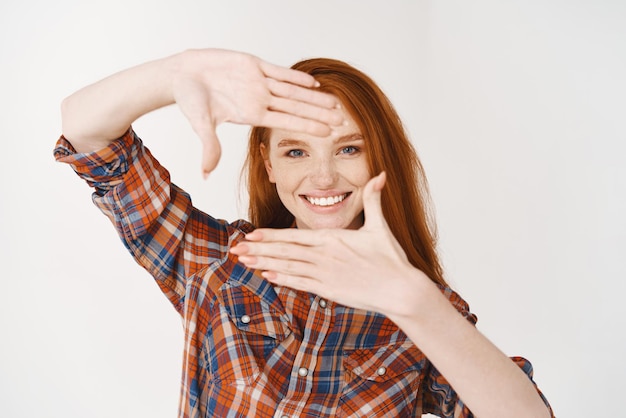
x: 305, y: 284
x: 282, y: 266
x: 211, y: 154
x: 279, y: 120
x: 198, y: 114
x: 372, y: 206
x: 306, y: 110
x: 295, y: 92
x: 305, y: 237
x: 287, y: 74
x: 277, y: 250
x: 211, y: 148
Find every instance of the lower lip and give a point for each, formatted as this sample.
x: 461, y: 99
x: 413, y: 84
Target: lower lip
x: 326, y: 209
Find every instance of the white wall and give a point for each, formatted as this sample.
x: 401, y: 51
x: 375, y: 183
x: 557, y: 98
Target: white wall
x: 517, y: 109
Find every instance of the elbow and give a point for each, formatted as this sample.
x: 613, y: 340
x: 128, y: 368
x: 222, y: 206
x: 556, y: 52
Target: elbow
x: 73, y: 126
x: 546, y: 412
x: 540, y: 410
x: 67, y: 119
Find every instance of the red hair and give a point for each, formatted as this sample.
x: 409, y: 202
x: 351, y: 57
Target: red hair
x: 405, y: 197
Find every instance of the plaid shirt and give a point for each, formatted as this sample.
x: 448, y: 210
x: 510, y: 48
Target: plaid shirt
x: 252, y: 349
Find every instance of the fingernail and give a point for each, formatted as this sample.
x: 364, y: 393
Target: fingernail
x: 205, y: 175
x: 239, y: 249
x: 317, y: 83
x: 269, y: 275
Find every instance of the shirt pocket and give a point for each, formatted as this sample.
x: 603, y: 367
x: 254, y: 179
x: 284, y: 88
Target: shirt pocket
x: 382, y: 381
x: 243, y: 335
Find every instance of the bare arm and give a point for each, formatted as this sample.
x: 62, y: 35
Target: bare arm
x: 211, y: 86
x: 101, y: 112
x: 484, y: 377
x: 347, y: 267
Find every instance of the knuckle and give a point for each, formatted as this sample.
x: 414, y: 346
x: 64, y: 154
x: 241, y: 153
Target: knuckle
x: 289, y: 90
x: 261, y: 263
x: 326, y: 235
x: 289, y: 267
x: 291, y: 234
x: 283, y: 250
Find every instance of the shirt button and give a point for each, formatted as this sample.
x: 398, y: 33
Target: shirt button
x: 245, y: 319
x: 381, y: 371
x: 322, y: 303
x: 302, y: 371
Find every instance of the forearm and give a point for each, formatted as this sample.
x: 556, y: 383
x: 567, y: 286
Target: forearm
x: 488, y: 382
x: 101, y: 112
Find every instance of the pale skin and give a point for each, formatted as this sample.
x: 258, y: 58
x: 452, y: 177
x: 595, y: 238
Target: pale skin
x: 307, y: 168
x: 341, y: 260
x: 210, y: 86
x: 346, y: 266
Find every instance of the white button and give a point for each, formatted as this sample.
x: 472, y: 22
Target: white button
x: 245, y: 319
x: 285, y: 416
x: 322, y: 303
x: 302, y: 371
x: 381, y: 371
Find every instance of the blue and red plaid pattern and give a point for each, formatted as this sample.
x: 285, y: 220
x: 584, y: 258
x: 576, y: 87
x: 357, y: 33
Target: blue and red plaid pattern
x: 252, y: 349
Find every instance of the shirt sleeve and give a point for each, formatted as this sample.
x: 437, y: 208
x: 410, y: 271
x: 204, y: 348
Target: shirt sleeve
x: 438, y: 397
x: 154, y: 218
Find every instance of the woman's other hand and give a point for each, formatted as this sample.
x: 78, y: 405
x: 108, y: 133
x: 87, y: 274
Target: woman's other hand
x: 365, y: 268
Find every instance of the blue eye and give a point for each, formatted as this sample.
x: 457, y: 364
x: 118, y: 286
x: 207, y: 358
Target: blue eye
x: 295, y: 153
x: 349, y: 150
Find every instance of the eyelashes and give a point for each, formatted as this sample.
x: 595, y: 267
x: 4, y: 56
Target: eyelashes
x: 299, y: 153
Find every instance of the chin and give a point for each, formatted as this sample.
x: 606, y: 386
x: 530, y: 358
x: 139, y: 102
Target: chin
x: 330, y: 225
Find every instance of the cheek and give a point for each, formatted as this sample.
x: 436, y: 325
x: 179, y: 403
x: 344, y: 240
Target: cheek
x: 286, y: 178
x: 359, y: 173
x: 365, y: 177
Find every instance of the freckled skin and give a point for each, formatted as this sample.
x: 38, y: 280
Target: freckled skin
x: 305, y: 165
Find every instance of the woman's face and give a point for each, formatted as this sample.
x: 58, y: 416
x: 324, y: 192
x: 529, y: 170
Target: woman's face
x: 320, y: 180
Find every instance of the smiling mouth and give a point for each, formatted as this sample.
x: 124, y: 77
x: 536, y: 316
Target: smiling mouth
x: 326, y: 201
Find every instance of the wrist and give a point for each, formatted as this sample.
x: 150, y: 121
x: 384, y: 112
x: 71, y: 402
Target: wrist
x: 415, y: 297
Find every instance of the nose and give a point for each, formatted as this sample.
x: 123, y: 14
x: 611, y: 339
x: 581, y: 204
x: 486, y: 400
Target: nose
x: 324, y: 173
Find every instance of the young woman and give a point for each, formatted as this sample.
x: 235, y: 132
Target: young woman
x: 335, y: 305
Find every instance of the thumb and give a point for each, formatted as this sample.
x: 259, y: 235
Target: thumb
x: 211, y: 153
x: 211, y: 148
x: 372, y: 207
x: 194, y: 101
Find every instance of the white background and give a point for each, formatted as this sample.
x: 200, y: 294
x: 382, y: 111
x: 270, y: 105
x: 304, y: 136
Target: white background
x: 516, y: 108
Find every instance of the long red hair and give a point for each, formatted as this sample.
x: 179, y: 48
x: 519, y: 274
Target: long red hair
x: 405, y: 197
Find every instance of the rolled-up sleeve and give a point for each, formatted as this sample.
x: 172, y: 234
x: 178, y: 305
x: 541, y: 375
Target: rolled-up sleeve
x: 103, y: 169
x: 154, y: 218
x: 131, y: 187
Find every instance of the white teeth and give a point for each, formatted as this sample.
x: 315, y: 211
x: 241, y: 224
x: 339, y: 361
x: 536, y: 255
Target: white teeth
x: 326, y: 201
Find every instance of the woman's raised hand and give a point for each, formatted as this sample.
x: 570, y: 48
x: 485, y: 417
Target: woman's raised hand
x: 365, y: 268
x: 213, y: 86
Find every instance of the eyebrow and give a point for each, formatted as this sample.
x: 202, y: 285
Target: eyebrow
x: 288, y: 142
